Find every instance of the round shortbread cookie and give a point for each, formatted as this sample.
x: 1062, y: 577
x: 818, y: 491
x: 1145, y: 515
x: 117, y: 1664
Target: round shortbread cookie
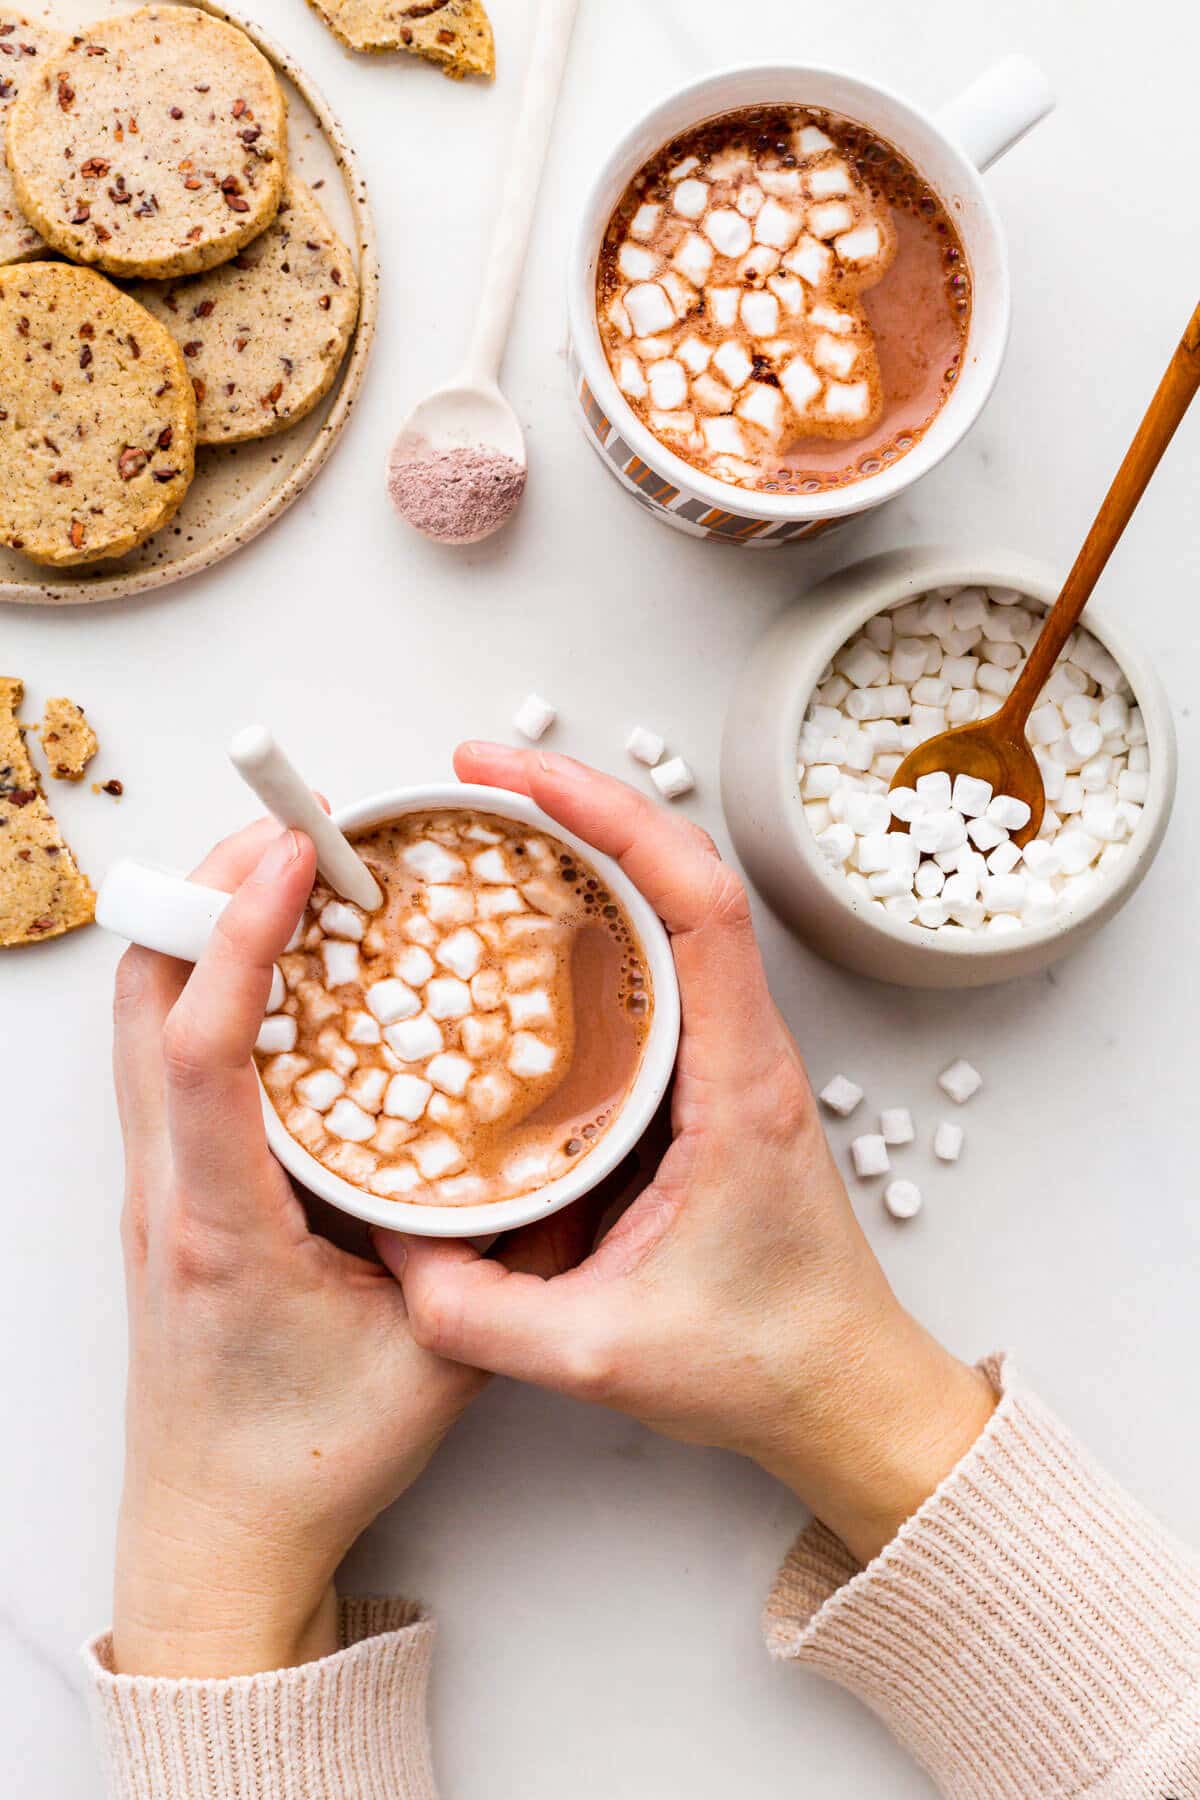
x: 155, y: 144
x: 97, y: 416
x: 263, y: 336
x: 23, y: 46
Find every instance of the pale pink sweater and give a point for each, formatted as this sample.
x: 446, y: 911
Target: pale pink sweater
x: 1030, y: 1634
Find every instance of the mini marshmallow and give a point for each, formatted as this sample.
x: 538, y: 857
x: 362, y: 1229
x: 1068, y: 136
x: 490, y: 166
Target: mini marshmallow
x: 1004, y: 858
x: 790, y: 293
x: 948, y: 1141
x: 778, y: 226
x: 750, y: 202
x: 673, y: 779
x: 694, y: 259
x: 1006, y: 810
x: 461, y: 953
x: 449, y: 905
x: 829, y: 219
x: 870, y: 1157
x: 847, y: 400
x: 841, y: 1096
x: 800, y: 383
x: 414, y: 966
x: 645, y: 221
x: 971, y: 797
x: 450, y: 1073
x: 347, y: 1121
x: 695, y: 355
x: 645, y: 746
x: 412, y: 1040
x: 487, y: 990
x: 432, y: 863
x: 935, y: 791
x: 984, y: 833
x: 368, y: 1088
x: 391, y: 999
x: 896, y: 1125
x: 761, y: 405
x: 650, y: 309
x: 760, y: 314
x: 856, y: 247
x: 276, y: 1034
x: 812, y: 141
x: 902, y: 1199
x: 727, y: 231
x: 342, y: 965
x: 960, y: 1081
x: 437, y: 1154
x: 712, y: 395
x: 733, y: 362
x: 636, y: 263
x: 407, y: 1097
x: 530, y: 1056
x: 446, y: 997
x: 812, y: 261
x: 338, y: 920
x: 320, y: 1089
x: 668, y: 384
x: 531, y: 1008
x: 829, y: 181
x: 690, y: 199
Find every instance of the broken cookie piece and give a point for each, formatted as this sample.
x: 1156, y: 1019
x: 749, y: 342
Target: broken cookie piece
x: 457, y: 34
x: 68, y: 739
x: 43, y: 892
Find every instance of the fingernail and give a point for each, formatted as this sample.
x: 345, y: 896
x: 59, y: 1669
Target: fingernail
x: 277, y: 858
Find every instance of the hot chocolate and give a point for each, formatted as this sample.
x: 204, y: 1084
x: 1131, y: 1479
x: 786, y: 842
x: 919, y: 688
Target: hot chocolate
x: 476, y: 1037
x: 782, y: 300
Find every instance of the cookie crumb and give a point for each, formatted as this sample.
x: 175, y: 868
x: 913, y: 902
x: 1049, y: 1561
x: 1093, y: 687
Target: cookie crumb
x: 67, y: 739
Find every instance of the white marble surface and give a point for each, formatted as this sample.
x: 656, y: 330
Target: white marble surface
x: 1070, y: 1231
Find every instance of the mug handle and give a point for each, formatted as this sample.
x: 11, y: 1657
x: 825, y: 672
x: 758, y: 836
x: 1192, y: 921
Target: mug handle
x: 997, y: 110
x: 159, y: 911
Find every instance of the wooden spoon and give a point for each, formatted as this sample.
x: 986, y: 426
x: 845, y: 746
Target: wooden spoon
x: 995, y: 749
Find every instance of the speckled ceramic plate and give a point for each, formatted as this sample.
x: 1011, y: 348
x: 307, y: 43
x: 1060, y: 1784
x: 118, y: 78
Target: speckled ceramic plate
x: 238, y: 491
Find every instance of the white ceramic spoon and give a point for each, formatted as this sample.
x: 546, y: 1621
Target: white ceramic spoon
x: 470, y: 413
x: 284, y: 792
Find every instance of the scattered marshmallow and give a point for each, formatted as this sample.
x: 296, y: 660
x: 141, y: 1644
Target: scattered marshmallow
x: 870, y: 1157
x: 960, y: 1081
x: 948, y: 1141
x: 902, y: 1199
x: 673, y: 779
x: 896, y: 1126
x: 645, y: 746
x: 534, y: 717
x: 841, y: 1096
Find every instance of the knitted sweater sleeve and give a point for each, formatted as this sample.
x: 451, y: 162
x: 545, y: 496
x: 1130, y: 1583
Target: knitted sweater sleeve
x: 1031, y: 1631
x: 351, y: 1726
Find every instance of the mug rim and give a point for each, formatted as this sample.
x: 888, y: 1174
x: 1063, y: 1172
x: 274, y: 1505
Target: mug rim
x: 947, y: 429
x: 649, y: 1086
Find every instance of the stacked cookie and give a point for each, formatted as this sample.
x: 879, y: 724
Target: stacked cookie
x: 150, y: 147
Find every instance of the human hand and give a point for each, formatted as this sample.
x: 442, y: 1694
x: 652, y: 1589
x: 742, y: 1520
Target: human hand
x: 277, y: 1399
x: 736, y: 1303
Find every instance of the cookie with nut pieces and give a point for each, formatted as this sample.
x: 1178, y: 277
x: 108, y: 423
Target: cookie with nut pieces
x: 97, y: 417
x: 457, y: 34
x: 263, y: 336
x: 43, y: 892
x: 154, y: 144
x: 68, y: 741
x: 23, y: 48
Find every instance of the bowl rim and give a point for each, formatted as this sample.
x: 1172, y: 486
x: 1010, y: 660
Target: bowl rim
x: 650, y: 1085
x: 910, y: 574
x: 949, y: 427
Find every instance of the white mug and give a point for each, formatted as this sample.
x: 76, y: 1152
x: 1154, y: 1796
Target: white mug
x: 950, y: 148
x: 168, y: 913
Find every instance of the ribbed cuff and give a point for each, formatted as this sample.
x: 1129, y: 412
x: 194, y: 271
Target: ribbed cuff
x: 351, y: 1727
x: 1030, y: 1631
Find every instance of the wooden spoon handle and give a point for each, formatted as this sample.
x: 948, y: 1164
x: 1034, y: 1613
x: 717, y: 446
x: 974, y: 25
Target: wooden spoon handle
x: 1175, y: 393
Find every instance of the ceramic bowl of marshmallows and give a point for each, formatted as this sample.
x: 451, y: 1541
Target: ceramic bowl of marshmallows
x: 875, y: 661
